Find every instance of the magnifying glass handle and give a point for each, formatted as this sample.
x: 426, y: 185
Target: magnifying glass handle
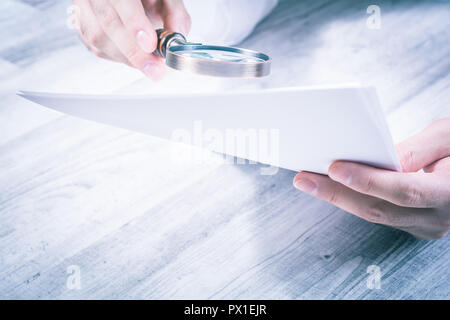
x: 166, y: 38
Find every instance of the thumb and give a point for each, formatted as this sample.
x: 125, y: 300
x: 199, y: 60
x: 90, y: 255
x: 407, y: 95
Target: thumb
x: 426, y: 147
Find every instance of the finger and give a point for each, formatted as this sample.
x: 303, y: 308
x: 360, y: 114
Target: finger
x: 104, y: 49
x: 111, y: 23
x: 420, y: 190
x: 133, y: 17
x: 442, y: 166
x: 175, y: 17
x: 361, y: 205
x: 425, y: 147
x: 93, y: 36
x: 424, y: 233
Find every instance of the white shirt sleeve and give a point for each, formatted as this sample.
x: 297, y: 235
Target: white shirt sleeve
x: 225, y: 22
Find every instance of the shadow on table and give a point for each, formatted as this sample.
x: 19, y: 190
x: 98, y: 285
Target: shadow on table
x: 306, y: 244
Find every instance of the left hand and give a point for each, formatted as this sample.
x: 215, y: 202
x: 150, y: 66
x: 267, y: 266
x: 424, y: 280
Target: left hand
x: 412, y: 201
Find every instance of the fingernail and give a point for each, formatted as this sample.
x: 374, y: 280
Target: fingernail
x: 340, y: 174
x: 306, y: 185
x: 144, y: 41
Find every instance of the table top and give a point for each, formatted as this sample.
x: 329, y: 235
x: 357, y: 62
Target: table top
x: 107, y: 201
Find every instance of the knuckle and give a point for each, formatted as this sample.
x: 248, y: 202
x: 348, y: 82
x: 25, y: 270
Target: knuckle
x: 109, y: 19
x: 368, y: 184
x: 333, y: 197
x: 410, y: 195
x: 95, y: 38
x: 408, y: 159
x: 377, y: 214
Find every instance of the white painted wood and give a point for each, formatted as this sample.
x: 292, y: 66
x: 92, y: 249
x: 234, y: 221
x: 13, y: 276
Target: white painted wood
x: 109, y: 201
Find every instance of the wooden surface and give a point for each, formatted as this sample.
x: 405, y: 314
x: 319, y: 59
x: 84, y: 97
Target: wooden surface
x: 104, y: 199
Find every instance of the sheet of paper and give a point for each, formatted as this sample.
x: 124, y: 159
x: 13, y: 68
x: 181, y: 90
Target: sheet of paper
x: 293, y: 128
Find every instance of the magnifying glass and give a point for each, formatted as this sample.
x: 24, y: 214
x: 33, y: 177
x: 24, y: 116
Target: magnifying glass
x: 211, y: 60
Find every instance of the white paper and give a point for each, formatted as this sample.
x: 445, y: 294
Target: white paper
x: 293, y: 128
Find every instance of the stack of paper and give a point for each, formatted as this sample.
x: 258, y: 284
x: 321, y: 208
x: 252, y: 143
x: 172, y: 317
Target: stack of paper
x: 293, y: 128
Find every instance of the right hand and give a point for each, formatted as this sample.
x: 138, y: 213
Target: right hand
x: 416, y: 201
x: 124, y: 30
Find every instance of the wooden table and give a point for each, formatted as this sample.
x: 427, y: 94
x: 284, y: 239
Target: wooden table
x: 76, y: 193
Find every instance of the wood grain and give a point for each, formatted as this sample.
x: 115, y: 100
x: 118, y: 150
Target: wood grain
x: 107, y: 200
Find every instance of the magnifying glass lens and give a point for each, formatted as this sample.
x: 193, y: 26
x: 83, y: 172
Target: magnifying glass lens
x: 218, y: 55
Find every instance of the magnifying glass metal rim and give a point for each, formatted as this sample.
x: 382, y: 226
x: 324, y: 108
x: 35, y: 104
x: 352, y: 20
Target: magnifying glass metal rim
x: 176, y: 60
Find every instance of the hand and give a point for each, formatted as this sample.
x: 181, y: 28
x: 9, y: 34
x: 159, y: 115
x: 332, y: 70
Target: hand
x: 124, y: 30
x: 412, y: 201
